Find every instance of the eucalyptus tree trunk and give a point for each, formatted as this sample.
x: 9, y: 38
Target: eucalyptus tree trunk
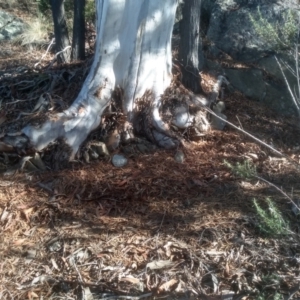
x: 190, y: 50
x: 133, y: 53
x: 60, y: 31
x: 78, y: 43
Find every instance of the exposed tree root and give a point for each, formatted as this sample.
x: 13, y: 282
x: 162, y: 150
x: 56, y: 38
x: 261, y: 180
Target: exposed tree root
x: 164, y: 122
x: 137, y: 57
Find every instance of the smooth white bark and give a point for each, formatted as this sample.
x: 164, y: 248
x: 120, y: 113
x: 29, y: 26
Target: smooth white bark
x: 133, y: 51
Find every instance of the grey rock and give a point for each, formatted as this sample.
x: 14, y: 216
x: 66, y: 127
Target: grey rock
x: 277, y: 94
x: 179, y: 156
x: 230, y: 32
x: 119, y: 160
x: 10, y: 26
x: 217, y: 123
x: 38, y: 162
x: 253, y: 84
x: 248, y: 81
x: 183, y: 118
x: 295, y: 207
x: 30, y: 167
x: 100, y: 148
x: 269, y: 65
x: 278, y: 98
x: 164, y: 141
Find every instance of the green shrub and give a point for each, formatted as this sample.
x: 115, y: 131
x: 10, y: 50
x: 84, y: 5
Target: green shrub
x: 264, y: 296
x: 244, y: 170
x: 281, y: 35
x: 90, y: 11
x: 271, y: 222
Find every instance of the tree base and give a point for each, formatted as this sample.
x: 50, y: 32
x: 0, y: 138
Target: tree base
x: 183, y: 114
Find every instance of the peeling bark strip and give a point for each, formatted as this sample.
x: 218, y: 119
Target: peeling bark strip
x: 133, y: 51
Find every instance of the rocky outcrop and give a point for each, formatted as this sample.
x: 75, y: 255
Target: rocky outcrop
x: 237, y: 31
x: 10, y: 26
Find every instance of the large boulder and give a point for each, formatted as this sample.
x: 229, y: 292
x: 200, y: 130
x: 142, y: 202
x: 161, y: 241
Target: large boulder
x: 10, y: 26
x: 244, y: 31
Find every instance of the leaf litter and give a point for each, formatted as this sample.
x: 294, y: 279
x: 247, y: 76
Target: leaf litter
x: 155, y: 227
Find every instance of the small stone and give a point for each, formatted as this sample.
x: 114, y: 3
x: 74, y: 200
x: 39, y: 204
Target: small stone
x: 182, y: 119
x: 179, y: 156
x: 119, y: 160
x: 217, y: 123
x: 295, y: 207
x: 37, y: 161
x: 29, y: 167
x: 164, y: 141
x: 100, y: 148
x: 10, y: 26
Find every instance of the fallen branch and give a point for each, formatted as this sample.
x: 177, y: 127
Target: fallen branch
x: 62, y: 51
x: 51, y: 43
x: 128, y: 297
x: 295, y: 100
x: 56, y: 55
x: 278, y: 189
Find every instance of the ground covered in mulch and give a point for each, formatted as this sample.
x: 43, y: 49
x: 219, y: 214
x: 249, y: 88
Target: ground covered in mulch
x: 156, y: 228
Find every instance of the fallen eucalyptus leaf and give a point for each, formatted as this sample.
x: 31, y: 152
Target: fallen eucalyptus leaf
x: 4, y: 215
x: 159, y: 264
x: 86, y: 294
x: 168, y: 286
